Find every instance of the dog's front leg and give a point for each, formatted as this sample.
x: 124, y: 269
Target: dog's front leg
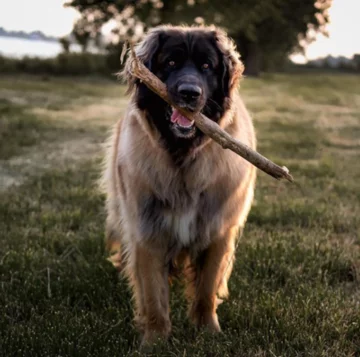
x: 212, y: 270
x: 151, y: 292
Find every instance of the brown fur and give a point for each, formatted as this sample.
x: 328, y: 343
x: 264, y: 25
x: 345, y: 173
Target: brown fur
x: 208, y: 197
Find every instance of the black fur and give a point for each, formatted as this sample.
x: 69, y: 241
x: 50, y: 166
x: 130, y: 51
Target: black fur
x: 189, y: 51
x: 151, y: 217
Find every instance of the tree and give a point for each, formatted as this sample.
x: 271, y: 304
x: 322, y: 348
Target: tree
x: 65, y: 43
x: 266, y: 31
x: 83, y: 31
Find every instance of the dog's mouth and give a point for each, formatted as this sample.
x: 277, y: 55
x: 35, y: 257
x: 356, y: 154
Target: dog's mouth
x: 181, y: 126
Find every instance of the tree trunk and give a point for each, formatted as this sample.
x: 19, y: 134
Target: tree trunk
x: 250, y: 55
x: 252, y: 60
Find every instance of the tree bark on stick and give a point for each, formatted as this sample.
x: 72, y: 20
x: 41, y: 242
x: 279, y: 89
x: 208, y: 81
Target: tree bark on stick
x: 207, y: 126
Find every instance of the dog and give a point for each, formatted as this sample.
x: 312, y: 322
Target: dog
x: 176, y: 200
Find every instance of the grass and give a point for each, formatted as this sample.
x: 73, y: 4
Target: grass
x: 294, y: 289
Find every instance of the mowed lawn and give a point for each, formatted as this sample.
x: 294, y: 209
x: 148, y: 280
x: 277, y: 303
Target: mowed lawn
x: 294, y: 290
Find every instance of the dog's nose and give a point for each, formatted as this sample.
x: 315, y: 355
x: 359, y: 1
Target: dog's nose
x: 189, y: 91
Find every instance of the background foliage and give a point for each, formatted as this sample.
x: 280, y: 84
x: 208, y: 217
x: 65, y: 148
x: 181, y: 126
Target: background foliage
x: 266, y: 31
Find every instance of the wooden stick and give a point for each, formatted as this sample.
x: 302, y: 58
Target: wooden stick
x: 207, y: 126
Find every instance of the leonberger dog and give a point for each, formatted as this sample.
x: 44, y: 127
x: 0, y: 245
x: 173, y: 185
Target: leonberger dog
x: 176, y: 200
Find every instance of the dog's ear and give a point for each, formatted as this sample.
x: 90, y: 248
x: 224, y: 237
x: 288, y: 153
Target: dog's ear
x: 149, y: 48
x: 146, y: 51
x: 225, y: 77
x: 232, y: 67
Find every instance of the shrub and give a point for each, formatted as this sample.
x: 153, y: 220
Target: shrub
x: 64, y: 64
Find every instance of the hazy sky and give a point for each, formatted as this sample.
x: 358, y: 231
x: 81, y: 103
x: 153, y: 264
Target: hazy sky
x: 52, y: 18
x: 48, y: 16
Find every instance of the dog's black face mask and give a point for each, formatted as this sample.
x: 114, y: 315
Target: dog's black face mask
x: 194, y: 71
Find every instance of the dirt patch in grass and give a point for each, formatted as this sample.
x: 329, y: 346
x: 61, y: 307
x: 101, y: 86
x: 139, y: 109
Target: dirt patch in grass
x: 44, y: 157
x: 101, y: 112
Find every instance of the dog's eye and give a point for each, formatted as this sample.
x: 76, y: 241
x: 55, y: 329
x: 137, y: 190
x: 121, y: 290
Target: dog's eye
x: 205, y: 66
x: 171, y: 63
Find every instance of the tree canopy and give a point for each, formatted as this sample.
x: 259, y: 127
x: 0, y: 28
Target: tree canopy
x: 266, y: 31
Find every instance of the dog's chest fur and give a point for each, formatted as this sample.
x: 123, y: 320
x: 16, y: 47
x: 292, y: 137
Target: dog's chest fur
x: 179, y: 207
x: 182, y: 205
x: 171, y: 212
x: 182, y: 225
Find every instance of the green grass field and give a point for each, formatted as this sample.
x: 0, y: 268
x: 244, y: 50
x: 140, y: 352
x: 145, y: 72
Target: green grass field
x: 294, y: 290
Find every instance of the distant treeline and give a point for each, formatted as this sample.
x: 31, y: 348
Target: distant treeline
x: 74, y: 64
x: 85, y: 64
x: 34, y: 35
x: 341, y: 63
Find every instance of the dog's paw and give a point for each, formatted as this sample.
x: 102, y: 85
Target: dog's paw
x: 204, y: 318
x: 157, y: 330
x: 152, y: 338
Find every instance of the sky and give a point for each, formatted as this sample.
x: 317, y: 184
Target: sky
x: 50, y: 17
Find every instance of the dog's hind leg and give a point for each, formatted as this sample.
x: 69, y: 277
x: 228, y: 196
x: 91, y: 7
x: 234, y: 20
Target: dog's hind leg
x: 149, y: 279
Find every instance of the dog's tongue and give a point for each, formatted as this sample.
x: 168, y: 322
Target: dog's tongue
x: 177, y: 118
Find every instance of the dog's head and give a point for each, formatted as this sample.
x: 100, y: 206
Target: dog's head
x: 200, y: 68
